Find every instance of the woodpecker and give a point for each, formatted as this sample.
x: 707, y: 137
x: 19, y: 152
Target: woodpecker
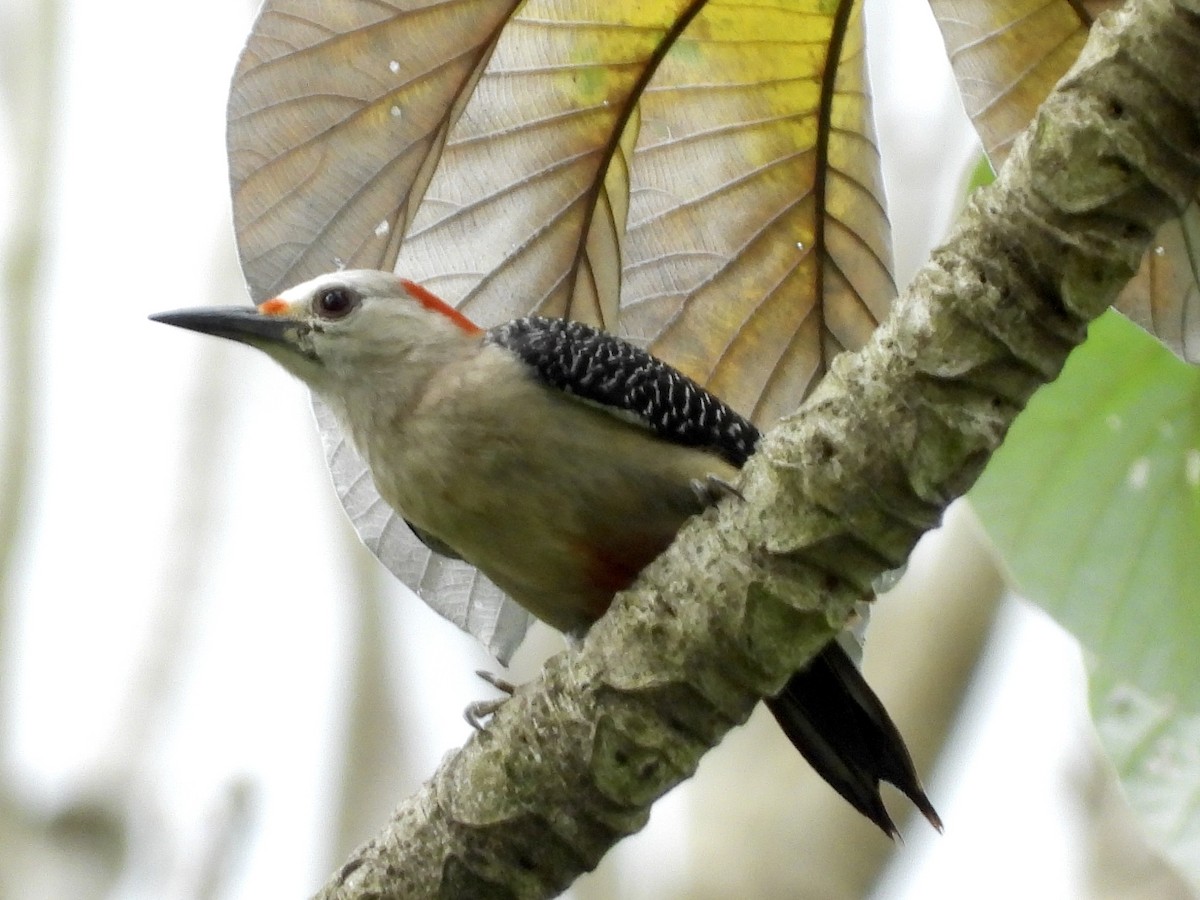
x: 557, y: 459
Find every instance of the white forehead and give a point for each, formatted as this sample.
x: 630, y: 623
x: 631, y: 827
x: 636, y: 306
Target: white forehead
x: 371, y: 282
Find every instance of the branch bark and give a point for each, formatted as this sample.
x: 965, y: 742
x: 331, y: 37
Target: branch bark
x: 838, y: 494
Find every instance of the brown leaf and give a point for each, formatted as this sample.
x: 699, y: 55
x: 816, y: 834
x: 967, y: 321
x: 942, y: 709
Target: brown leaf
x: 526, y: 211
x: 1008, y: 54
x: 700, y: 177
x: 1163, y: 297
x: 337, y: 114
x: 760, y: 245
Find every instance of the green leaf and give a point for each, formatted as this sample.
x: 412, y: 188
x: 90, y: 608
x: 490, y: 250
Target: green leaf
x: 982, y: 175
x: 1094, y: 502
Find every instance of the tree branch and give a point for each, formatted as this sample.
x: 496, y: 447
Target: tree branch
x: 836, y: 495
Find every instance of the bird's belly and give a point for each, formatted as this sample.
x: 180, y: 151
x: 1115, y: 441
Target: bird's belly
x: 560, y: 530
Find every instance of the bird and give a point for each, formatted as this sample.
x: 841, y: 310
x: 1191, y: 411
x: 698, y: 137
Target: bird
x: 556, y: 458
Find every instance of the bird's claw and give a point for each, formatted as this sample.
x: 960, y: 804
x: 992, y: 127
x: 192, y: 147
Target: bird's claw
x: 477, y: 712
x: 712, y: 490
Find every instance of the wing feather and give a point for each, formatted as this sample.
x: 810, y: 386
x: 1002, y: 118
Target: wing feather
x: 628, y: 382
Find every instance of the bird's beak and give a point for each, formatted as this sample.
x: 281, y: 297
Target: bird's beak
x: 245, y: 324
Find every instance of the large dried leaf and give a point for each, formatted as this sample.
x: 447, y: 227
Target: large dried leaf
x: 1007, y: 55
x: 699, y: 177
x: 337, y: 113
x: 519, y: 216
x: 758, y: 244
x: 1164, y: 296
x: 454, y: 589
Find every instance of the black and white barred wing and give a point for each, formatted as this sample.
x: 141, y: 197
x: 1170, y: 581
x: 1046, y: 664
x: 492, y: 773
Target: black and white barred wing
x: 628, y: 382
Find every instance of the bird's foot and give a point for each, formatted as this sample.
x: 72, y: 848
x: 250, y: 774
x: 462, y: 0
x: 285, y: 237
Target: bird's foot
x: 477, y: 712
x: 712, y: 490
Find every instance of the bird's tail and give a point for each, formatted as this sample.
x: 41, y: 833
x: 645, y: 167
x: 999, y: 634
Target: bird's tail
x: 829, y: 712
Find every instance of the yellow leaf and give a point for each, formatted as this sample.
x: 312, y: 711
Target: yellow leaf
x: 699, y: 177
x: 758, y: 244
x: 526, y: 211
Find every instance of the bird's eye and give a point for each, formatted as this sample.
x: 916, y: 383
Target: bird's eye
x: 335, y: 302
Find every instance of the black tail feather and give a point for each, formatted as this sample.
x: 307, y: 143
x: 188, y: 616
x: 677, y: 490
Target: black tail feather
x: 829, y: 712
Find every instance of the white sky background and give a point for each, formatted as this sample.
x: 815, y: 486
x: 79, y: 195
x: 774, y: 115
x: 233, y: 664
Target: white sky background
x: 141, y: 220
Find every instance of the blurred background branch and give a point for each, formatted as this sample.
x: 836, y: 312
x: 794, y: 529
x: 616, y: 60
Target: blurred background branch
x: 29, y: 86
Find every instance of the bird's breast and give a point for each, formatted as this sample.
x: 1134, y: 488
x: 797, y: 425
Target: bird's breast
x: 559, y: 503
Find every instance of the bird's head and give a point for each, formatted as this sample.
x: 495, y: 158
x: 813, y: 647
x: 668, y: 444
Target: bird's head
x: 334, y: 329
